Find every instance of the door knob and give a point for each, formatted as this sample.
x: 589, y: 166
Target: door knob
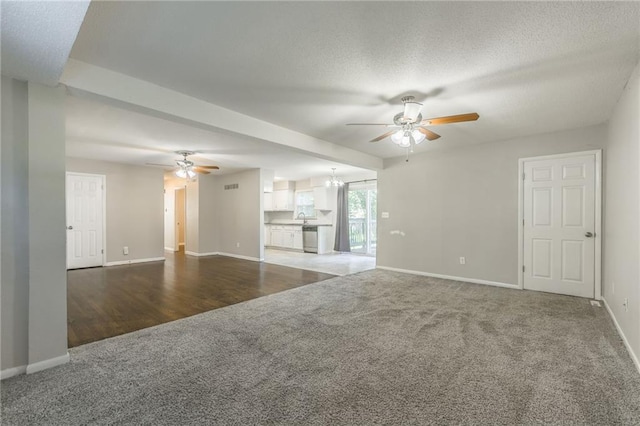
x: 588, y: 235
x: 69, y: 227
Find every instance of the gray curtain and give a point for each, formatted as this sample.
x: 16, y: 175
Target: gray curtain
x: 342, y: 220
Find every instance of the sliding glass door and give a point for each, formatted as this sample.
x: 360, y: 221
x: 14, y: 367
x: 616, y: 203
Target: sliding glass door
x: 363, y: 202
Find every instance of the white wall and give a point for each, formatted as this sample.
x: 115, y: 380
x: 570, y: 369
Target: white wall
x: 218, y: 219
x: 34, y: 282
x: 134, y: 208
x: 622, y: 214
x: 462, y: 202
x: 14, y: 227
x: 209, y: 226
x: 240, y: 217
x: 47, y: 225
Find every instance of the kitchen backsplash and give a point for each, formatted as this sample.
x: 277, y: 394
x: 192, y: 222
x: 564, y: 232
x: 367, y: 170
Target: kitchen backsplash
x: 288, y: 217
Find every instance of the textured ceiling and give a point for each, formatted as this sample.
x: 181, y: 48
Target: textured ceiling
x: 526, y: 68
x: 37, y: 37
x: 103, y: 132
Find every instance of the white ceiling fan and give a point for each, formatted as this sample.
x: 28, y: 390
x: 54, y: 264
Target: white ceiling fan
x: 408, y: 125
x: 187, y: 168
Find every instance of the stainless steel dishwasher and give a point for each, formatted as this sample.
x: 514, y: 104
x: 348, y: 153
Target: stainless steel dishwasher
x: 310, y: 238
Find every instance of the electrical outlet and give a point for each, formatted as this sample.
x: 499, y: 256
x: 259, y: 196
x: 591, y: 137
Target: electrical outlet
x: 463, y: 261
x: 626, y: 304
x: 125, y: 250
x: 385, y: 215
x: 238, y: 245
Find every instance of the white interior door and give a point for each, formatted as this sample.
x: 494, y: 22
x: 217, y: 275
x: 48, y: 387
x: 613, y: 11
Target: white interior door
x: 559, y: 225
x: 84, y: 220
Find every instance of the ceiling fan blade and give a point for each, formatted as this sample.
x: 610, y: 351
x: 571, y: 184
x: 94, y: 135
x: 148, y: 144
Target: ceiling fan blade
x: 201, y: 170
x: 472, y: 116
x: 161, y: 165
x: 370, y: 124
x: 428, y: 133
x: 209, y: 167
x: 379, y: 138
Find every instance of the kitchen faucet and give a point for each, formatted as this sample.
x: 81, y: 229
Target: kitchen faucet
x: 304, y: 217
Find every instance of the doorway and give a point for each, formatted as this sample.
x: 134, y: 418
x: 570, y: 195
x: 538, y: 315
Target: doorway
x: 181, y: 216
x: 560, y: 224
x: 85, y: 220
x: 175, y: 216
x: 363, y: 202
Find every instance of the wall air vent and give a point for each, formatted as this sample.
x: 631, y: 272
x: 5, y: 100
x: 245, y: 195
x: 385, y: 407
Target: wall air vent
x: 231, y: 186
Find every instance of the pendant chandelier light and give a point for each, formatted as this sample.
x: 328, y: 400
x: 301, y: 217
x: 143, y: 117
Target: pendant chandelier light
x: 334, y: 181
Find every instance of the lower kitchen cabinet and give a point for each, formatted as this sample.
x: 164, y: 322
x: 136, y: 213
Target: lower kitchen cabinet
x: 297, y: 238
x: 285, y: 236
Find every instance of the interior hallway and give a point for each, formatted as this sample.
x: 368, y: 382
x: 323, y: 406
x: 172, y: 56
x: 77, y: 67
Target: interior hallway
x: 109, y: 301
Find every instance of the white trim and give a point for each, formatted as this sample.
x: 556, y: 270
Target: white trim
x: 171, y: 249
x: 449, y: 277
x: 104, y: 210
x: 634, y: 358
x: 597, y: 273
x: 239, y: 256
x: 12, y: 372
x: 218, y: 253
x: 193, y: 253
x: 128, y: 262
x: 47, y: 363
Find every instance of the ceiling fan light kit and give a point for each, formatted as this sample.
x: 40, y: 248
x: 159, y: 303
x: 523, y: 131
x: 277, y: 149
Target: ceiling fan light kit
x: 410, y: 125
x: 186, y: 168
x: 186, y: 173
x: 403, y: 138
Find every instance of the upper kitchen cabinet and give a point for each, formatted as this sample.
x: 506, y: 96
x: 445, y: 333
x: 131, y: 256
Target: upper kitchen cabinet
x: 283, y: 200
x: 324, y: 198
x: 282, y: 197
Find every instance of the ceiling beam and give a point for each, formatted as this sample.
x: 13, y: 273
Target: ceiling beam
x: 142, y: 95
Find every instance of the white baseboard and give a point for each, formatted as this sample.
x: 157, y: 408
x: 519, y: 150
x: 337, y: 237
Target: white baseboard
x: 129, y: 262
x: 219, y: 253
x: 239, y: 256
x: 11, y: 372
x: 47, y: 363
x: 449, y: 277
x: 170, y: 249
x: 634, y: 358
x: 193, y: 253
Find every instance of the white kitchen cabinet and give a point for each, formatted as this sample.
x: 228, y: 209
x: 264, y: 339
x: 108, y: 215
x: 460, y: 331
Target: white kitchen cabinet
x: 285, y: 236
x: 325, y: 239
x: 277, y: 236
x: 297, y: 238
x: 267, y: 235
x: 283, y: 200
x: 325, y: 198
x: 320, y: 198
x: 288, y: 237
x: 268, y: 201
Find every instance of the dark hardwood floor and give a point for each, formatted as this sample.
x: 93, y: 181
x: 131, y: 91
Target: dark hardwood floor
x: 106, y: 302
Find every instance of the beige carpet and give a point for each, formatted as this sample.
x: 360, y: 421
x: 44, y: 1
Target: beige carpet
x: 373, y: 348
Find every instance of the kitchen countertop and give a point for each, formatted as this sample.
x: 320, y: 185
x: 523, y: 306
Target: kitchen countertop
x: 297, y: 224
